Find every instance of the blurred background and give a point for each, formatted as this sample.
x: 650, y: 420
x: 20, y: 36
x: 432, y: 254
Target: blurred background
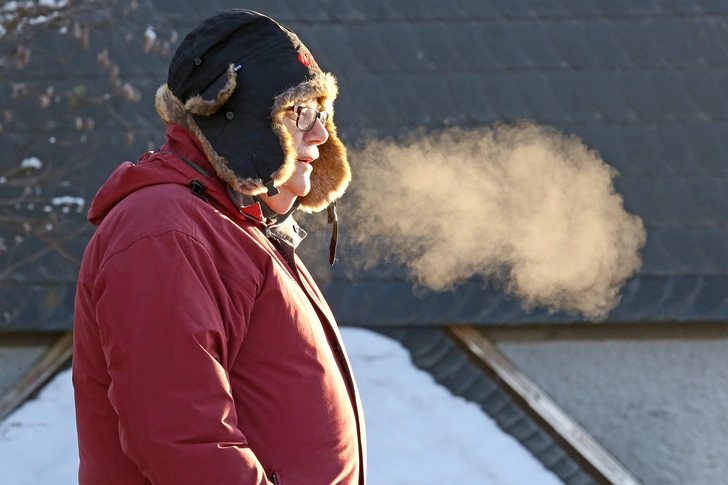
x: 641, y: 392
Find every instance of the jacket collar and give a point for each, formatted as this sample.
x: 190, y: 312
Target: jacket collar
x: 182, y: 144
x: 287, y: 231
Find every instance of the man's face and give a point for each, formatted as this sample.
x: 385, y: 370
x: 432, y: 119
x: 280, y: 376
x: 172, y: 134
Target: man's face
x: 306, y: 145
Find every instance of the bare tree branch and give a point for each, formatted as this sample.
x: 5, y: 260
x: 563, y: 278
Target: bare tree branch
x: 64, y: 99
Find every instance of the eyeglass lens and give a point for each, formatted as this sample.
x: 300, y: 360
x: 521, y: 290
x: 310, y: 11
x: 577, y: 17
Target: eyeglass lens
x: 307, y: 118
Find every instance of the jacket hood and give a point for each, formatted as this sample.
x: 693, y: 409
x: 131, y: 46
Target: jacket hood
x: 230, y: 83
x: 180, y: 161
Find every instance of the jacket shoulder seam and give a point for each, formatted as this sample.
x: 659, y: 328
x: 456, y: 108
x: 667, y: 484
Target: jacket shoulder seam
x: 202, y: 244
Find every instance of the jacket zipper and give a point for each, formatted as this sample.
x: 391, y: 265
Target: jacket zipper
x: 274, y: 478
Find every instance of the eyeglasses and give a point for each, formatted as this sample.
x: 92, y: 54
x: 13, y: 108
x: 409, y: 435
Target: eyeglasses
x: 307, y: 117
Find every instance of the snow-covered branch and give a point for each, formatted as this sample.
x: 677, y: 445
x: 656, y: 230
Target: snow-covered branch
x: 15, y: 16
x: 74, y: 91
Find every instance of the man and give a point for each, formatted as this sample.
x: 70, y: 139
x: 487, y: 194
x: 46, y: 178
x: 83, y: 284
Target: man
x: 204, y: 352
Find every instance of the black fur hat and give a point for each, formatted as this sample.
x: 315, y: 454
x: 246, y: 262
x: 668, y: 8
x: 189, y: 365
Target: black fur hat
x: 230, y: 82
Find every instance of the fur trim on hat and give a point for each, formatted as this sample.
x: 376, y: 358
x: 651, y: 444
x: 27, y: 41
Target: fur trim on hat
x: 331, y: 173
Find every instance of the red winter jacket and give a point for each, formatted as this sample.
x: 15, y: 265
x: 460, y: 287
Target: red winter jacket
x: 200, y: 355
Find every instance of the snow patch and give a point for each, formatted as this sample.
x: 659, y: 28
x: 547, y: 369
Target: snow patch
x: 31, y: 162
x: 150, y: 34
x: 11, y: 13
x: 68, y: 200
x: 12, y: 6
x: 43, y: 18
x: 53, y: 3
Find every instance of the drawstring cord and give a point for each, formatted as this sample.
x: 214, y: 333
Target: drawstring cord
x: 333, y: 219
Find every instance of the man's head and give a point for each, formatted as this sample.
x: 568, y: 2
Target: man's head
x: 234, y: 82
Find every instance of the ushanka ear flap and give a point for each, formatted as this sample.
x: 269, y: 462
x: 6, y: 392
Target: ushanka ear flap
x: 331, y: 173
x: 172, y: 110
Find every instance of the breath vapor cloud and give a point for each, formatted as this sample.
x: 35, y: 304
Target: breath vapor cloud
x: 522, y: 205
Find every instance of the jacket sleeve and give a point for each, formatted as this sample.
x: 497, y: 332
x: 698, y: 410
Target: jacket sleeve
x: 158, y: 307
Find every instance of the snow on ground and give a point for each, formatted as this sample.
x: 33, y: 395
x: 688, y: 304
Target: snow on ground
x: 38, y: 441
x: 418, y: 433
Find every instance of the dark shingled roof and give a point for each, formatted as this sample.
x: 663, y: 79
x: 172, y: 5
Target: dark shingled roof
x: 643, y: 82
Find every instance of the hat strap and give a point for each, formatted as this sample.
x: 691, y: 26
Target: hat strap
x: 333, y: 219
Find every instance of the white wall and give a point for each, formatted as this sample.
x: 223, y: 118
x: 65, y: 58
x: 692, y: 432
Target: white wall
x: 659, y: 406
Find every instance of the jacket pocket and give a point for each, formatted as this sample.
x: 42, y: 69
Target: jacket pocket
x: 275, y: 478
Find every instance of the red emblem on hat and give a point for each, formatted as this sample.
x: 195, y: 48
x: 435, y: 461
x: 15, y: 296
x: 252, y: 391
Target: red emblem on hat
x: 307, y: 60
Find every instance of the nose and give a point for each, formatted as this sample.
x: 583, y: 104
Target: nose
x: 318, y: 134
